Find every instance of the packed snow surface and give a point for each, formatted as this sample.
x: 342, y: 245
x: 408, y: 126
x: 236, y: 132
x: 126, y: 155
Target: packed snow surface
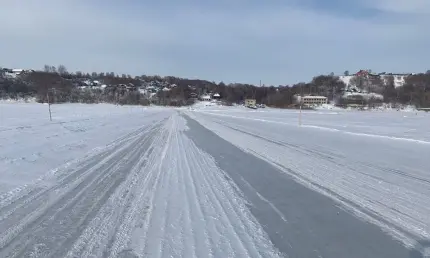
x: 375, y: 164
x: 212, y: 181
x: 150, y: 192
x: 31, y: 145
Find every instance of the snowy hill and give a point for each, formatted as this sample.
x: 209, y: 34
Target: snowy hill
x: 399, y: 79
x: 346, y: 79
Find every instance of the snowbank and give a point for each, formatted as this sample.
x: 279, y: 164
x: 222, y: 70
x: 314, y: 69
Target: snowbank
x: 19, y: 100
x: 365, y: 95
x: 328, y: 107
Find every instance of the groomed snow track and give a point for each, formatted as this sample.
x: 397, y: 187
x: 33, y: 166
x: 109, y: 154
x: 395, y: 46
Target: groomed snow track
x: 196, y: 183
x: 152, y: 193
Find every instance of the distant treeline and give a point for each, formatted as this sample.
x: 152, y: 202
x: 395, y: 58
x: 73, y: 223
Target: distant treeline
x: 60, y: 86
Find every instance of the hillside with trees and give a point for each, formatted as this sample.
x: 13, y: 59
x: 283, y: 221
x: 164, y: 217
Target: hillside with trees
x: 57, y: 85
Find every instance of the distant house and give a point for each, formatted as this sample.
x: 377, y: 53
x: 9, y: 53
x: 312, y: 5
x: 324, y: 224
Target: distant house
x: 250, y: 103
x: 205, y: 97
x: 216, y: 96
x: 18, y: 71
x: 90, y: 83
x: 314, y: 100
x: 13, y: 73
x: 310, y: 100
x: 131, y: 87
x: 362, y: 73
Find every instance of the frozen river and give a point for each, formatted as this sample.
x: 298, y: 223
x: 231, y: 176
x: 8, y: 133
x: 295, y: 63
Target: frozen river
x: 106, y: 181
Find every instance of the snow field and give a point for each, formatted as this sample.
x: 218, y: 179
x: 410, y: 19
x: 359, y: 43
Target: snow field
x: 383, y: 180
x: 149, y: 193
x: 32, y: 146
x: 196, y: 212
x: 390, y: 124
x: 112, y: 181
x: 54, y: 214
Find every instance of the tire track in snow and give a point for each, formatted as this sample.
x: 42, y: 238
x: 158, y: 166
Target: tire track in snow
x: 188, y: 241
x: 394, y: 204
x: 243, y: 234
x: 189, y: 219
x: 38, y: 193
x: 65, y: 173
x: 206, y: 244
x: 55, y: 214
x: 110, y: 226
x: 237, y: 213
x: 382, y: 216
x: 174, y: 242
x: 77, y: 202
x: 141, y: 203
x: 153, y: 194
x: 227, y: 229
x: 153, y: 225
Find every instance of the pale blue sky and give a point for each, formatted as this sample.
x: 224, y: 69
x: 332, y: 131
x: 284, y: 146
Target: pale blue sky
x: 279, y: 42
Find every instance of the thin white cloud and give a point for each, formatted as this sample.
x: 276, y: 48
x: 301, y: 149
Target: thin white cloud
x: 402, y: 6
x: 67, y: 18
x: 282, y: 44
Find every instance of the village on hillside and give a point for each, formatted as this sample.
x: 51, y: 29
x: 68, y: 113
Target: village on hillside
x: 360, y: 89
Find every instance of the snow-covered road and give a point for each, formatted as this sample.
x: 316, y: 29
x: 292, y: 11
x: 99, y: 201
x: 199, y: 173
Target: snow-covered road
x: 151, y: 193
x: 162, y: 182
x: 377, y: 172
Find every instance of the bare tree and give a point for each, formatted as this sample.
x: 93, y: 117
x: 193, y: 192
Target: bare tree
x: 357, y: 81
x: 79, y: 74
x: 390, y: 93
x: 346, y: 73
x: 376, y: 84
x: 47, y: 68
x: 62, y: 70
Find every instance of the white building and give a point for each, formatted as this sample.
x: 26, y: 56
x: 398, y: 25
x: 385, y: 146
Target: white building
x: 216, y: 96
x: 17, y: 71
x: 311, y: 100
x: 205, y: 97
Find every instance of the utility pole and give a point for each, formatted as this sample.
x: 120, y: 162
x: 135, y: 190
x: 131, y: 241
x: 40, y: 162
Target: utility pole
x: 333, y: 92
x: 54, y: 95
x: 301, y: 101
x: 49, y: 106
